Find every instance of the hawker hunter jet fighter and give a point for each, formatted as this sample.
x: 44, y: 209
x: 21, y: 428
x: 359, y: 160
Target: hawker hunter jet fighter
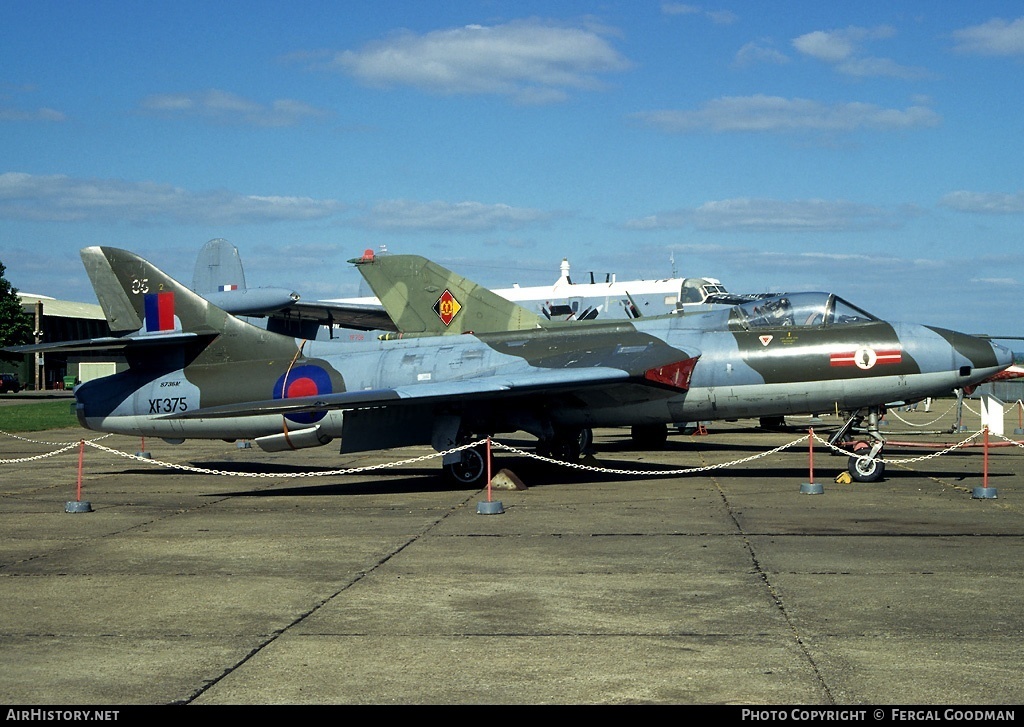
x: 198, y: 372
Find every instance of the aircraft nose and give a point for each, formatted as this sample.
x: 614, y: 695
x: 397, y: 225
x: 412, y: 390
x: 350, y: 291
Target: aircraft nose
x: 984, y: 355
x: 1003, y: 354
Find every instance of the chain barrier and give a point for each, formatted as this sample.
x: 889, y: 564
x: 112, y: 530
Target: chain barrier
x: 652, y: 473
x: 1014, y: 442
x: 385, y: 465
x: 902, y: 460
x: 895, y: 414
x: 52, y: 444
x: 94, y: 443
x: 40, y: 456
x: 284, y: 475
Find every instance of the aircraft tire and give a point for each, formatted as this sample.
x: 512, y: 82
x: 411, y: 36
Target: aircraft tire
x: 866, y: 470
x: 649, y: 436
x: 566, y: 447
x: 471, y: 469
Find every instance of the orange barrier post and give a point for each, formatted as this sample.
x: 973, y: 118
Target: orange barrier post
x: 810, y: 488
x: 488, y: 469
x: 984, y: 492
x: 489, y: 507
x: 81, y: 462
x: 78, y: 505
x: 984, y: 459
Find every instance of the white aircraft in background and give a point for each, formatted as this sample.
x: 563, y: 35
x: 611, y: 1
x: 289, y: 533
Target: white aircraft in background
x: 219, y: 278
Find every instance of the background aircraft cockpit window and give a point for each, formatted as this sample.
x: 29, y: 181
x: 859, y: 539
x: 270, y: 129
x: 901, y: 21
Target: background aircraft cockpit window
x: 801, y: 310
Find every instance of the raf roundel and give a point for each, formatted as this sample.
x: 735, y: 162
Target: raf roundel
x: 305, y: 380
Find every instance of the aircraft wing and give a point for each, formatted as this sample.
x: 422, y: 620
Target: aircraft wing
x: 357, y: 316
x: 114, y: 343
x: 550, y: 382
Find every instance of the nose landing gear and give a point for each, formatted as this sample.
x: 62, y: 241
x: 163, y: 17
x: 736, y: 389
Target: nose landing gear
x: 865, y: 464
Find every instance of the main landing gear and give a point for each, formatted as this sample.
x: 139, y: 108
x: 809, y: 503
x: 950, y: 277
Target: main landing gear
x: 864, y: 464
x: 469, y: 467
x: 566, y: 445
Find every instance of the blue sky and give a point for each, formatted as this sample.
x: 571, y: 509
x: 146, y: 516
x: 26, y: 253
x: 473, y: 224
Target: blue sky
x: 873, y: 149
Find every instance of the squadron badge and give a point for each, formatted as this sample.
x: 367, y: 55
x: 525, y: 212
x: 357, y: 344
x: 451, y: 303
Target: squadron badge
x: 447, y: 307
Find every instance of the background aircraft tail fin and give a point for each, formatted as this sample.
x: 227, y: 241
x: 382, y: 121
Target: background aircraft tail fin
x: 423, y: 297
x: 218, y: 268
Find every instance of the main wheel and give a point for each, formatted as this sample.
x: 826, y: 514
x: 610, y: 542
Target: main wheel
x: 586, y: 439
x: 865, y: 469
x: 471, y: 469
x: 566, y: 446
x: 772, y: 423
x: 649, y: 436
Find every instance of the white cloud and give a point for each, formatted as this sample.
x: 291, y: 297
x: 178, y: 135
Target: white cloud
x: 58, y: 198
x: 1001, y: 282
x: 527, y: 60
x: 989, y: 203
x: 829, y: 47
x: 455, y: 217
x: 230, y: 108
x: 40, y: 114
x: 774, y: 113
x: 746, y: 214
x: 842, y: 49
x: 755, y: 53
x: 718, y: 17
x: 997, y: 37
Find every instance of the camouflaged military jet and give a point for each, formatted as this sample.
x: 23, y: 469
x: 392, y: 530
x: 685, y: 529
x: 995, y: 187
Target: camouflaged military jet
x: 197, y: 372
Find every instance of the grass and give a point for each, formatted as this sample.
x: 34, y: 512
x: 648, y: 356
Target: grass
x: 38, y: 417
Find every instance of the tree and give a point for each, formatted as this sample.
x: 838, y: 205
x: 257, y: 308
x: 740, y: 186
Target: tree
x: 15, y: 323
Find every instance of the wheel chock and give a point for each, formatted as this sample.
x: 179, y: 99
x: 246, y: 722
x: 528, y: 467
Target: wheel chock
x: 844, y: 478
x: 506, y: 480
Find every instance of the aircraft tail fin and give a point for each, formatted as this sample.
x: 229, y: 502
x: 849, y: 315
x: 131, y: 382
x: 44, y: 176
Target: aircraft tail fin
x: 140, y: 299
x: 424, y: 298
x: 218, y: 268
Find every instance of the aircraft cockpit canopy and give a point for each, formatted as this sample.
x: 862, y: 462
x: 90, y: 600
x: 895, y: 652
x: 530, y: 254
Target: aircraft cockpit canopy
x: 801, y: 310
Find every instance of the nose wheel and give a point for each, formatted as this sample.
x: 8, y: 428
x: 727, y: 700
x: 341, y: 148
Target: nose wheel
x: 865, y: 465
x: 866, y: 468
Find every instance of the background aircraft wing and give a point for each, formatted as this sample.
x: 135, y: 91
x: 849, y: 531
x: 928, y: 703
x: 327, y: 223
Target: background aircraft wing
x: 220, y: 279
x: 356, y: 316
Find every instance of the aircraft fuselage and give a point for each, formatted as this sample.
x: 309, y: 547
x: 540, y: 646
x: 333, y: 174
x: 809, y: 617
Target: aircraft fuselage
x: 741, y: 371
